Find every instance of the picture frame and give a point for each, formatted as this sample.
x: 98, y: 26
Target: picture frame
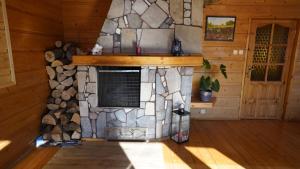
x: 220, y: 28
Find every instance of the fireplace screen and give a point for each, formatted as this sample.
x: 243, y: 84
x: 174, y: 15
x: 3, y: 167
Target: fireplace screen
x: 119, y: 86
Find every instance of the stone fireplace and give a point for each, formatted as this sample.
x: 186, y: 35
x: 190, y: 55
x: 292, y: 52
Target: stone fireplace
x: 162, y: 90
x: 152, y: 25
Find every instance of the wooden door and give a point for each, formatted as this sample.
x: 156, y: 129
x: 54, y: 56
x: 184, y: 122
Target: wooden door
x: 270, y: 50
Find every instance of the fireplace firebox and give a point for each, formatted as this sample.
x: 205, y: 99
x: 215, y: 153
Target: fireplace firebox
x: 119, y: 86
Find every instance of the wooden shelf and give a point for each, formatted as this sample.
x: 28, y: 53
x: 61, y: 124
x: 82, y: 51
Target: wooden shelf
x: 126, y: 60
x: 196, y: 103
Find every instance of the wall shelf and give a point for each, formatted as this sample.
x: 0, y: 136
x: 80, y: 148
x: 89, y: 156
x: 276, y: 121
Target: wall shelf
x: 147, y: 60
x: 196, y: 103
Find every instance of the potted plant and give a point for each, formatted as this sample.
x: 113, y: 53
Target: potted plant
x: 209, y: 84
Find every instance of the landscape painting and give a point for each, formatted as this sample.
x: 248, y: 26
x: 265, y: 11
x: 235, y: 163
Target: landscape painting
x: 220, y: 28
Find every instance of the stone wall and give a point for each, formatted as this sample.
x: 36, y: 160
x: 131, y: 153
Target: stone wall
x: 152, y: 24
x: 162, y: 90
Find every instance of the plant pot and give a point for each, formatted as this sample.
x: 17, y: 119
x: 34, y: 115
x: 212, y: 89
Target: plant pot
x: 205, y: 95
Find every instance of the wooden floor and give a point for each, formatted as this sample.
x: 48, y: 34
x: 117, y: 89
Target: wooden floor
x: 213, y: 144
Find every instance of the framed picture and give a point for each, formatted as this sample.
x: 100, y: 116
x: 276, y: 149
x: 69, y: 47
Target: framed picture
x: 220, y: 28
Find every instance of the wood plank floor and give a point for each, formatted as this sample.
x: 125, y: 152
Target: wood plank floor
x: 213, y: 144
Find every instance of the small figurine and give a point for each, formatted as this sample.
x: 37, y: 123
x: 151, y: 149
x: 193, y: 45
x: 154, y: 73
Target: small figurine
x: 97, y: 50
x: 176, y: 48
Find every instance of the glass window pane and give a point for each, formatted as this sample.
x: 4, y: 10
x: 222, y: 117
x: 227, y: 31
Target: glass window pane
x: 258, y: 73
x: 275, y: 73
x: 277, y: 54
x: 263, y: 34
x: 260, y: 54
x: 280, y: 35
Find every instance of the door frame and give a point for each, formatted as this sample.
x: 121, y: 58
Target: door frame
x: 290, y: 66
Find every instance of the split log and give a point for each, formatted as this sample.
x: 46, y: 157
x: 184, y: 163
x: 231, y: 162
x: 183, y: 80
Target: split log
x: 60, y: 87
x: 59, y: 69
x: 57, y: 63
x: 57, y: 101
x: 56, y: 137
x: 56, y: 130
x: 64, y: 119
x: 76, y: 118
x: 51, y: 100
x: 61, y: 77
x: 75, y: 83
x: 56, y: 93
x: 71, y: 91
x: 50, y: 72
x: 49, y: 56
x: 69, y: 72
x: 49, y: 119
x: 63, y: 105
x: 65, y: 96
x: 53, y: 84
x: 52, y: 106
x: 67, y: 82
x: 66, y: 136
x: 69, y: 67
x: 58, y: 44
x: 76, y: 135
x: 57, y: 113
x: 47, y: 136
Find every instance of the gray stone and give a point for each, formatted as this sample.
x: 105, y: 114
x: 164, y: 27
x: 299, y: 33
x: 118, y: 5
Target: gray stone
x: 163, y: 5
x: 139, y: 34
x: 146, y: 121
x: 82, y: 68
x: 84, y: 108
x: 190, y: 38
x: 177, y: 100
x: 131, y: 118
x: 150, y: 109
x: 109, y: 26
x: 128, y: 41
x: 86, y: 127
x: 107, y: 43
x: 121, y: 23
x: 121, y: 115
x: 187, y: 71
x: 187, y: 5
x: 197, y: 12
x: 144, y: 74
x: 160, y: 103
x: 96, y: 109
x: 159, y: 86
x: 187, y: 105
x: 173, y: 79
x: 161, y: 72
x: 187, y: 21
x: 154, y: 16
x: 151, y: 1
x: 146, y: 91
x: 101, y: 124
x: 145, y: 25
x: 93, y: 74
x: 110, y: 116
x: 143, y: 105
x: 116, y: 9
x: 186, y: 85
x: 93, y: 115
x: 166, y: 130
x: 157, y: 40
x: 176, y: 10
x: 139, y: 6
x: 159, y: 128
x: 152, y: 76
x: 140, y: 113
x: 93, y: 100
x: 81, y: 97
x: 169, y: 112
x: 91, y: 88
x: 187, y: 13
x: 127, y: 7
x: 134, y: 21
x: 81, y: 77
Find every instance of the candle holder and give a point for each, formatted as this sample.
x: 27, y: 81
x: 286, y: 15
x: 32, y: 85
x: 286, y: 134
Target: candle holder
x: 180, y: 126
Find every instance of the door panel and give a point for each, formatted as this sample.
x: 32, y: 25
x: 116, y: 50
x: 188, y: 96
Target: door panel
x: 268, y: 60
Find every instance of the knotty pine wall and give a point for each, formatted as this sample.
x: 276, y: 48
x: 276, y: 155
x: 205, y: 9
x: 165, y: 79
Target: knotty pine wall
x: 34, y: 26
x: 84, y: 26
x: 83, y: 20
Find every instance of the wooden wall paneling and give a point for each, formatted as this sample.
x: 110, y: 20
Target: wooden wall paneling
x: 34, y: 26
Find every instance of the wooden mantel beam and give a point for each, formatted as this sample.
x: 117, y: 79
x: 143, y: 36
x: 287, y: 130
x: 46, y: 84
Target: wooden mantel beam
x: 149, y: 60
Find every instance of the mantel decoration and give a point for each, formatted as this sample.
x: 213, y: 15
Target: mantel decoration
x: 208, y: 83
x: 220, y: 28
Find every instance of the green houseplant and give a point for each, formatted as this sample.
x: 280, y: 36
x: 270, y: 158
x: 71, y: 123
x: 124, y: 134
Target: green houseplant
x: 209, y: 84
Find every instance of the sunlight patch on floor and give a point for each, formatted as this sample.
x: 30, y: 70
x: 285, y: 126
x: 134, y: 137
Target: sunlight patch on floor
x: 4, y: 143
x: 144, y: 155
x: 213, y: 158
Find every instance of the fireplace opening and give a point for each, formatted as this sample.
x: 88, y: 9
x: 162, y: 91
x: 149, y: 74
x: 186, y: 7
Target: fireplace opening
x: 119, y: 86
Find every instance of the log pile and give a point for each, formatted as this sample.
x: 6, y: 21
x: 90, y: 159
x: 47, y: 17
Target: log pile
x: 61, y: 121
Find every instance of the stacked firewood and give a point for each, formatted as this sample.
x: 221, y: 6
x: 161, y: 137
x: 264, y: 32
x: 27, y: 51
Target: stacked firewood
x: 61, y: 121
